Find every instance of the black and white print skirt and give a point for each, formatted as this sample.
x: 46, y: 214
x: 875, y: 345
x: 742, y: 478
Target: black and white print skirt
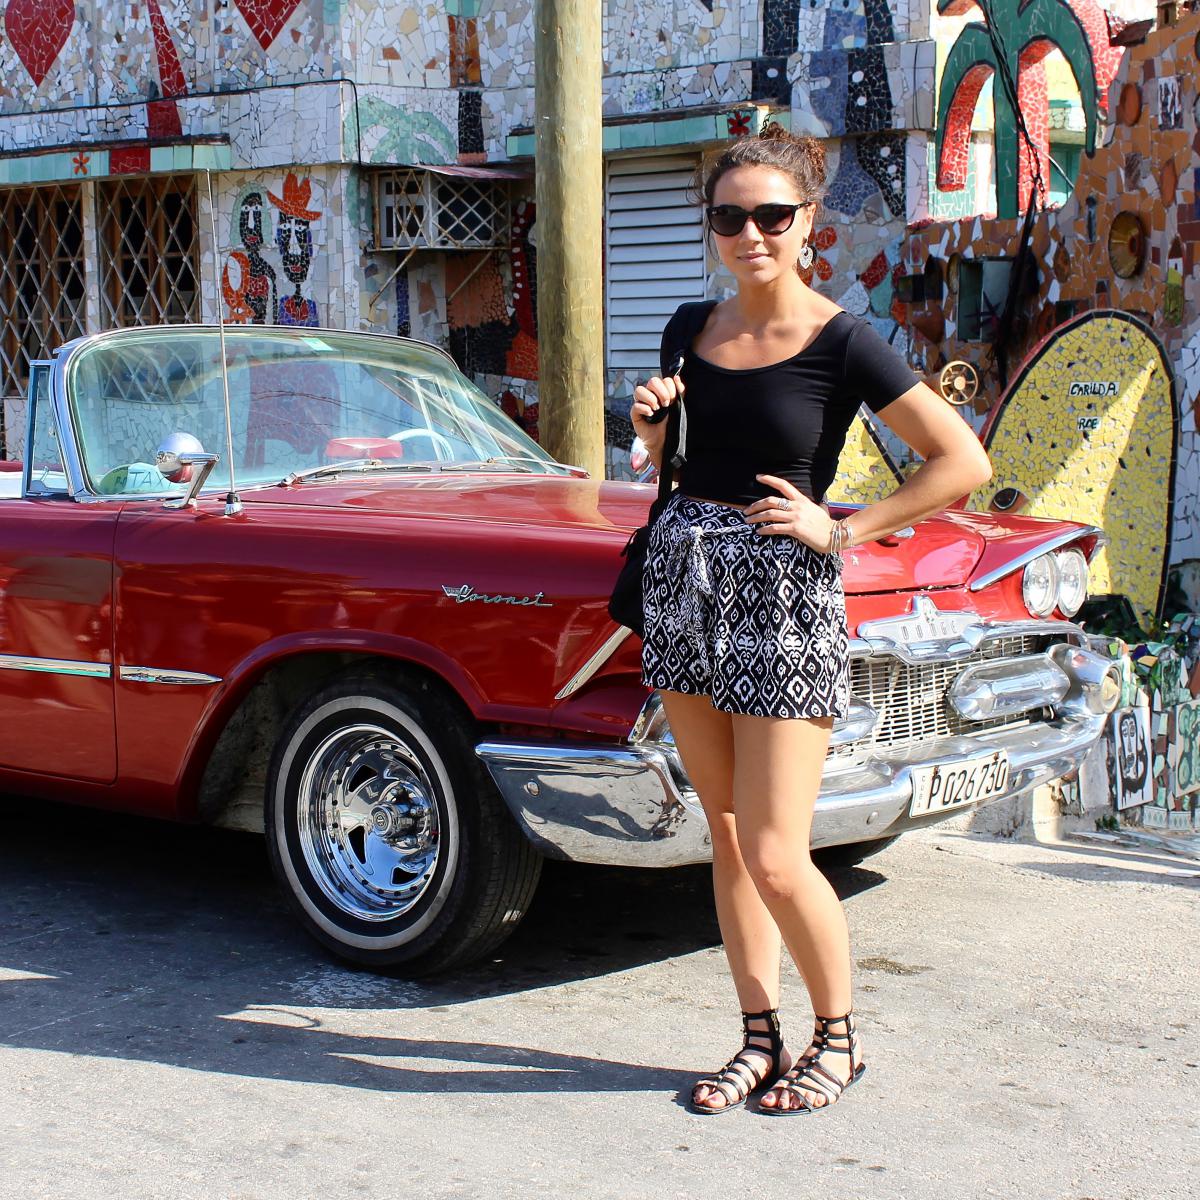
x: 755, y: 621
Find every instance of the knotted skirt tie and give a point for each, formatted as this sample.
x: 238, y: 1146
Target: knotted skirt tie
x: 687, y: 560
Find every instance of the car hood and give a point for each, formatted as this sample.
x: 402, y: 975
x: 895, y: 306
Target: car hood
x: 945, y: 551
x: 561, y: 501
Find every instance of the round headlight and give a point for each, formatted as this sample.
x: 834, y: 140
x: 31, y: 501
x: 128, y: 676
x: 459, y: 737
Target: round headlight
x: 1072, y: 581
x: 1039, y: 585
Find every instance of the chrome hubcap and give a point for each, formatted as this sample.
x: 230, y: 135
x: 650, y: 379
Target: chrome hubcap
x: 368, y: 822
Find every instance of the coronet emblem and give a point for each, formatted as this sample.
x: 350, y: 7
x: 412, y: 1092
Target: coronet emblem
x: 465, y: 594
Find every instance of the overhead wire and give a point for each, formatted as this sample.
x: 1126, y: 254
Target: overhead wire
x: 1021, y: 261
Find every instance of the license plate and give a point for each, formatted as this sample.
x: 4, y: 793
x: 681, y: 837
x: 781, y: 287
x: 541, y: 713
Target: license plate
x: 938, y: 788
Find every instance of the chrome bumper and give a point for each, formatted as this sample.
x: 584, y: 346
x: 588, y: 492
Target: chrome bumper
x: 624, y: 807
x: 600, y: 804
x: 632, y: 805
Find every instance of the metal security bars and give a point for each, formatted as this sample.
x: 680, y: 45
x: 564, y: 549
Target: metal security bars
x: 440, y: 212
x: 42, y: 295
x: 148, y: 250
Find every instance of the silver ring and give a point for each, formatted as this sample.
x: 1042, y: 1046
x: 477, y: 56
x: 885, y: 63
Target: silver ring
x: 785, y: 503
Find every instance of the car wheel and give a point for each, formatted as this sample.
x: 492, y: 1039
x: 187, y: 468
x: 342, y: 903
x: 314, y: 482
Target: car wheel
x: 388, y: 836
x: 852, y: 854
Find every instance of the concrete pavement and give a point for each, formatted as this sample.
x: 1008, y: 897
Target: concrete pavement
x: 1031, y: 1020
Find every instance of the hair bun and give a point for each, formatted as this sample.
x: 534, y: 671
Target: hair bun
x: 798, y: 156
x: 814, y: 150
x: 810, y: 147
x: 773, y: 131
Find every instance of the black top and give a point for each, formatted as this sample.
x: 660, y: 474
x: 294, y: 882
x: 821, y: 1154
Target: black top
x: 788, y: 418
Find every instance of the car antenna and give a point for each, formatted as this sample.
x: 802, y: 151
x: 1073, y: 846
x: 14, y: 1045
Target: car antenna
x: 233, y: 503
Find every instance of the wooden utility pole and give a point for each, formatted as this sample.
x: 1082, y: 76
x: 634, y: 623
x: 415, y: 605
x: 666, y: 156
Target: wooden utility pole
x: 570, y: 214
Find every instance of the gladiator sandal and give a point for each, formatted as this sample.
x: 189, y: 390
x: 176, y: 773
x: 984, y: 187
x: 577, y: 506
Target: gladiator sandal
x: 744, y: 1075
x: 807, y: 1073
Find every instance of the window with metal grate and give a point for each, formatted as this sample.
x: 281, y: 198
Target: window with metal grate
x: 423, y: 209
x: 41, y: 285
x: 148, y: 250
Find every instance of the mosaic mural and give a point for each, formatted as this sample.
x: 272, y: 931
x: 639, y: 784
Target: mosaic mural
x: 294, y: 240
x: 1088, y: 430
x: 1009, y: 48
x: 450, y: 82
x: 38, y: 32
x: 266, y: 278
x: 1126, y: 240
x: 249, y: 283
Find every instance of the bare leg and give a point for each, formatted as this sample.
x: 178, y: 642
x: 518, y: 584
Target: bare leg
x: 777, y: 775
x: 704, y: 738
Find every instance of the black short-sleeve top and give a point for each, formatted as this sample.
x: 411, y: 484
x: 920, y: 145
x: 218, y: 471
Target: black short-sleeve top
x: 789, y: 418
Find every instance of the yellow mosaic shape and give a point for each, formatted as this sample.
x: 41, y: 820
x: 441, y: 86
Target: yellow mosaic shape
x: 1087, y: 433
x: 865, y: 473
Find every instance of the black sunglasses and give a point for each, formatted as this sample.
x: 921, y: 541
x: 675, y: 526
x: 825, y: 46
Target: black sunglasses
x: 728, y: 219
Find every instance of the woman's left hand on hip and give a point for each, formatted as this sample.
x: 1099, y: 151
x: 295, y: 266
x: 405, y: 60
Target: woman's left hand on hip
x: 791, y: 512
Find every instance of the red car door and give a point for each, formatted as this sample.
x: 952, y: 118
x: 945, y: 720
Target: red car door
x: 56, y: 587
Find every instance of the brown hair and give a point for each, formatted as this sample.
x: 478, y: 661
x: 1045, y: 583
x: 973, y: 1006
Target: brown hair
x: 801, y: 159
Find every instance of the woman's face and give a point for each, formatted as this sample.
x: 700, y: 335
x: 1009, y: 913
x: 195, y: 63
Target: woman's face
x: 752, y: 256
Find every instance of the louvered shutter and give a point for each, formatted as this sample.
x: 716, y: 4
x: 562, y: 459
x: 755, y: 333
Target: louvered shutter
x: 654, y: 255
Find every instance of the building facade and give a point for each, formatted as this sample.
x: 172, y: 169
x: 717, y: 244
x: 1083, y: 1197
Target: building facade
x: 370, y: 165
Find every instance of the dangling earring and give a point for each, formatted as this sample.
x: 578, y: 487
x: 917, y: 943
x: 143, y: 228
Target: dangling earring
x: 807, y: 254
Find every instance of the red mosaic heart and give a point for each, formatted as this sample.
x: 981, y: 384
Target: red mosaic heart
x: 267, y: 17
x: 38, y: 30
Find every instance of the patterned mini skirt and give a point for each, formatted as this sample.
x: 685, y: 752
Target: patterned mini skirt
x: 754, y: 621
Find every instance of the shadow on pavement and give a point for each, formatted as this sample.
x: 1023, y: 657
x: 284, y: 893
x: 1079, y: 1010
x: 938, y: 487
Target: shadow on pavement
x: 139, y: 940
x: 1181, y: 873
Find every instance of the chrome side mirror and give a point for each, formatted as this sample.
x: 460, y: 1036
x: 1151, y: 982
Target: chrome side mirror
x: 199, y: 478
x: 167, y: 457
x: 176, y: 457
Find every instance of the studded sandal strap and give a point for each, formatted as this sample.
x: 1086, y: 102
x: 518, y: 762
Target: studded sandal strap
x: 737, y: 1074
x: 829, y: 1086
x: 772, y: 1031
x: 850, y: 1037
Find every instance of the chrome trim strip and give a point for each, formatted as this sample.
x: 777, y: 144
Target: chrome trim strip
x: 54, y: 666
x: 167, y: 676
x: 104, y: 335
x: 593, y: 664
x: 960, y: 645
x: 1053, y: 543
x: 68, y: 444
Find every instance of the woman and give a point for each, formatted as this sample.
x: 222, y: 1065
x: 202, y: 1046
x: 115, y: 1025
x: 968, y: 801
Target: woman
x: 746, y: 635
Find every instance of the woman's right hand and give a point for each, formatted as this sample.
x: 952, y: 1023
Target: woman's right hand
x: 648, y: 398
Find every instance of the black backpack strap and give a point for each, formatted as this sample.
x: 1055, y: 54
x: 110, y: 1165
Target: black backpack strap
x: 677, y: 338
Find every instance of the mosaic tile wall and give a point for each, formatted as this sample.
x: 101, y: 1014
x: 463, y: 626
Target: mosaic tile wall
x: 1126, y: 240
x: 450, y: 82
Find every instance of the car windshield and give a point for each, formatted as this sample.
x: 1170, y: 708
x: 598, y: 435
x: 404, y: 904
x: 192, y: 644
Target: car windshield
x: 298, y: 402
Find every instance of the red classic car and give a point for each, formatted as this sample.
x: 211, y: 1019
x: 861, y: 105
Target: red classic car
x: 382, y: 638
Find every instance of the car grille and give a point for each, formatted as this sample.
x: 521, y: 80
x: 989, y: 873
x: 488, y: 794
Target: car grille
x: 911, y: 697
